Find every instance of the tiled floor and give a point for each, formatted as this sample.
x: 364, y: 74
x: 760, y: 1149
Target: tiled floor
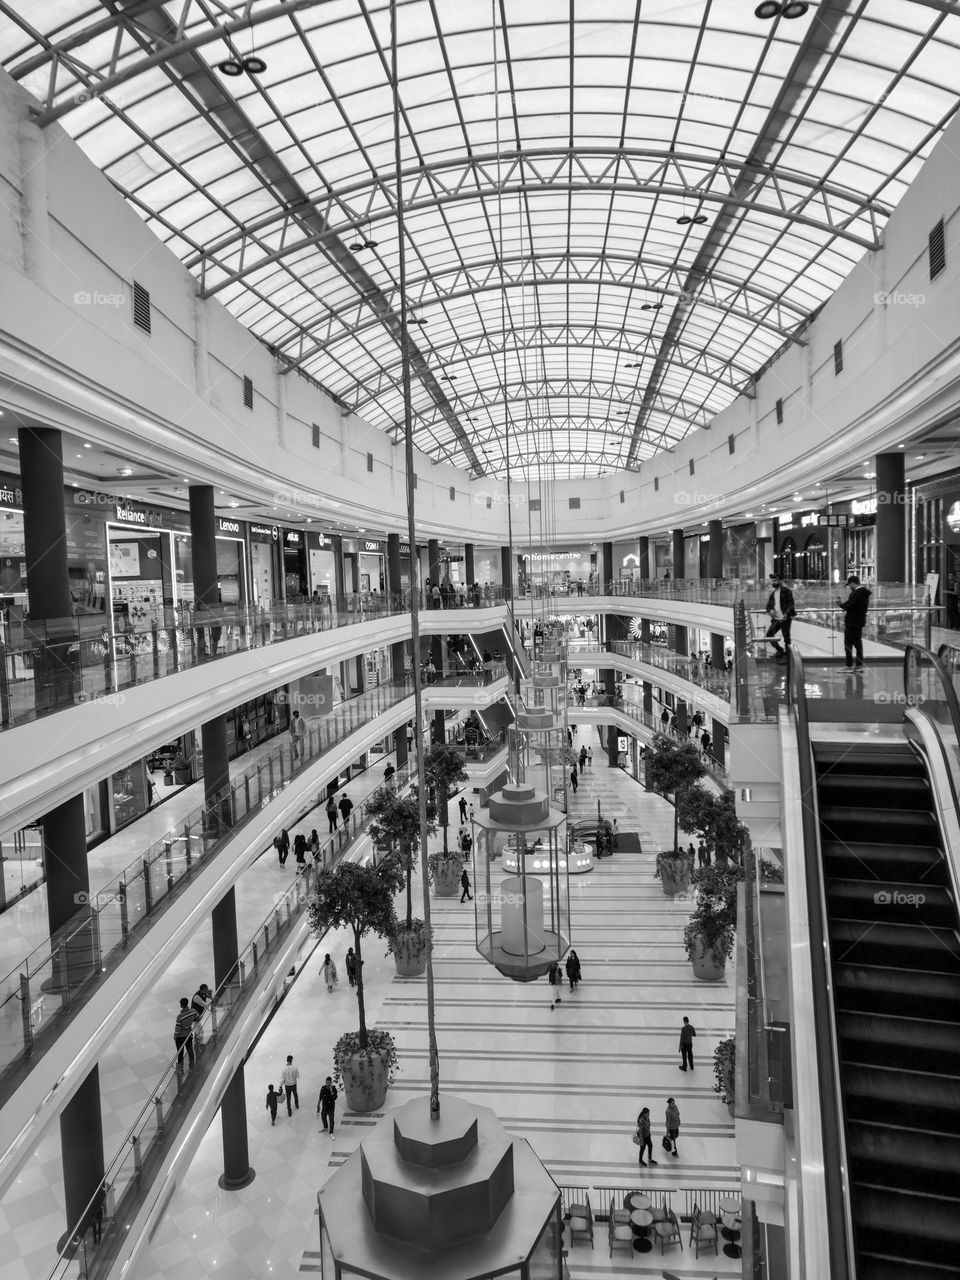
x: 571, y: 1080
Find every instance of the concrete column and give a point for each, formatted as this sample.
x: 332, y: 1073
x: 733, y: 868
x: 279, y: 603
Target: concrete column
x: 68, y: 890
x: 676, y: 538
x: 718, y: 747
x: 81, y: 1149
x: 213, y: 734
x: 891, y: 518
x: 606, y: 565
x: 433, y: 556
x: 677, y: 639
x: 717, y: 658
x: 715, y: 549
x: 645, y: 631
x: 338, y: 573
x: 400, y: 745
x: 394, y: 583
x: 237, y: 1171
x: 506, y: 571
x: 648, y: 697
x: 469, y: 570
x: 643, y: 554
x: 612, y: 752
x: 398, y: 659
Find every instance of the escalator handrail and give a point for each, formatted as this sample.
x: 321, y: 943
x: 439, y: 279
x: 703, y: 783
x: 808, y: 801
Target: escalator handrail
x: 839, y: 1221
x: 933, y: 752
x: 953, y: 702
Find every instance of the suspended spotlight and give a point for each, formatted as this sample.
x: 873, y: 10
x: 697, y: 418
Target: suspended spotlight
x: 254, y: 66
x: 651, y: 306
x: 230, y: 67
x: 795, y: 8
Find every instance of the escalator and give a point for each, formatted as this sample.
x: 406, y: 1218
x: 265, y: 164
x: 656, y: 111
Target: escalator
x: 892, y: 923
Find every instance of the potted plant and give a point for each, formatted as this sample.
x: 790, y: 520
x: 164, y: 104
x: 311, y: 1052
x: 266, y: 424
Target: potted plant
x: 443, y: 768
x: 360, y: 898
x: 443, y: 870
x: 673, y: 769
x: 709, y: 933
x: 673, y: 870
x: 396, y: 828
x: 714, y: 819
x: 725, y: 1071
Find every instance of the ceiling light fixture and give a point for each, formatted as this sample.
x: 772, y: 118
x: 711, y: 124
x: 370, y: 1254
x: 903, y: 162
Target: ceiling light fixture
x: 651, y: 306
x: 252, y: 65
x: 697, y: 219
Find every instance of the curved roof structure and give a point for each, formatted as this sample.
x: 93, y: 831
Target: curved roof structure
x: 615, y: 211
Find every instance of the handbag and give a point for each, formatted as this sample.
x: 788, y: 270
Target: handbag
x: 666, y: 1143
x: 637, y: 1140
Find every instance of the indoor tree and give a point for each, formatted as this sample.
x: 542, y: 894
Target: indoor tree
x: 714, y: 819
x: 443, y: 768
x: 673, y: 767
x: 396, y: 827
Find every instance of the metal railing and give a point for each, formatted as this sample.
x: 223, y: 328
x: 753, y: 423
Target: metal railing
x: 604, y: 1199
x: 46, y: 666
x: 56, y: 978
x: 128, y: 1174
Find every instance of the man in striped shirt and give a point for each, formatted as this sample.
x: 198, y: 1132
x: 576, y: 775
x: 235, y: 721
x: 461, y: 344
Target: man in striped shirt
x: 183, y: 1032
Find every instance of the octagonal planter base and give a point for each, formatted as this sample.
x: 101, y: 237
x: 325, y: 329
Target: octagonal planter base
x: 446, y: 878
x: 705, y: 967
x: 365, y: 1083
x: 410, y: 954
x: 674, y: 885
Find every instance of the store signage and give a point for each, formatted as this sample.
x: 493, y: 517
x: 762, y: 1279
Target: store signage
x: 228, y: 526
x: 574, y: 553
x: 11, y: 495
x: 864, y: 506
x: 370, y: 545
x: 264, y: 531
x: 291, y: 538
x: 130, y: 516
x: 834, y: 522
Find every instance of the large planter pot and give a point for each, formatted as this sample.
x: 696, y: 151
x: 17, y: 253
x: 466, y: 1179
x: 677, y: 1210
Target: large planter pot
x: 365, y: 1082
x: 446, y: 877
x: 705, y: 966
x: 410, y: 953
x: 675, y: 877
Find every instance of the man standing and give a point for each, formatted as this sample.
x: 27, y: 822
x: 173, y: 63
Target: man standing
x: 327, y: 1104
x: 183, y: 1032
x: 782, y: 612
x: 297, y: 733
x: 463, y: 809
x: 346, y: 808
x: 288, y: 1078
x: 854, y: 620
x: 672, y: 1122
x: 686, y: 1045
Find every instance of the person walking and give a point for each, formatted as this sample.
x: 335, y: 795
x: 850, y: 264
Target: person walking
x: 282, y: 845
x: 687, y: 1033
x: 246, y: 733
x: 672, y: 1120
x: 465, y: 886
x: 697, y: 723
x: 555, y: 978
x: 300, y: 849
x: 273, y: 1099
x: 643, y: 1133
x: 388, y: 775
x: 703, y: 858
x: 463, y: 810
x: 201, y: 998
x: 706, y: 742
x: 582, y: 758
x: 573, y: 779
x: 288, y: 1078
x: 782, y: 611
x: 665, y: 718
x: 329, y: 973
x: 854, y: 620
x: 573, y: 969
x: 327, y: 1104
x: 331, y: 811
x: 314, y: 844
x: 589, y: 757
x: 346, y: 808
x: 298, y: 731
x: 183, y: 1032
x: 350, y: 964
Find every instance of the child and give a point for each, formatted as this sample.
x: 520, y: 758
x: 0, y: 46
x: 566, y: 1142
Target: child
x: 272, y: 1100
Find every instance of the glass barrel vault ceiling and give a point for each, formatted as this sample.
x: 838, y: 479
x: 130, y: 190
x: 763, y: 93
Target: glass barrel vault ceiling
x: 567, y: 322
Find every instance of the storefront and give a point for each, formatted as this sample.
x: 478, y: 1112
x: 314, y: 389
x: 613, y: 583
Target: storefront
x: 935, y: 539
x: 486, y: 566
x: 295, y: 564
x: 558, y: 569
x: 321, y: 566
x: 231, y: 561
x: 371, y: 564
x: 740, y: 552
x: 792, y: 559
x: 265, y: 563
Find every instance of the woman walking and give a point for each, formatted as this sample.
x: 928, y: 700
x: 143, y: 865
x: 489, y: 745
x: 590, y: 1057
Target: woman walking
x: 573, y: 969
x: 329, y: 973
x: 643, y: 1134
x: 282, y: 845
x: 673, y: 1125
x: 555, y: 978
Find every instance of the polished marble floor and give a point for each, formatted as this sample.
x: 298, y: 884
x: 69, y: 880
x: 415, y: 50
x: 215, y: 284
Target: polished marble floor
x: 570, y: 1080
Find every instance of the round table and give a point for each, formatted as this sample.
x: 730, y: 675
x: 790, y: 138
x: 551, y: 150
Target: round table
x: 732, y: 1226
x: 640, y: 1220
x: 636, y: 1200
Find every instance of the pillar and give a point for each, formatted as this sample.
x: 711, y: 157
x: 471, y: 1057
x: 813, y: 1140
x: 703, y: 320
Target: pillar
x: 469, y: 571
x: 891, y: 518
x: 68, y: 890
x: 338, y: 574
x: 717, y: 656
x: 643, y: 555
x: 81, y: 1149
x: 237, y: 1171
x: 611, y: 632
x: 676, y: 539
x: 718, y: 748
x: 645, y: 631
x: 213, y: 733
x: 433, y: 558
x: 677, y: 639
x: 400, y: 745
x: 439, y: 732
x: 606, y: 566
x: 648, y: 697
x: 715, y: 549
x: 506, y: 571
x: 398, y: 660
x: 394, y: 571
x: 612, y: 752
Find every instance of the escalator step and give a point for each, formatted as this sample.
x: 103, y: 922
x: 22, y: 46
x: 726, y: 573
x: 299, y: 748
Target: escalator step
x: 899, y: 945
x: 885, y: 1222
x: 919, y: 1099
x: 880, y: 989
x: 904, y: 1159
x: 872, y: 1267
x: 907, y: 862
x: 886, y: 826
x: 882, y: 792
x: 924, y: 904
x: 834, y: 760
x: 917, y: 1036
